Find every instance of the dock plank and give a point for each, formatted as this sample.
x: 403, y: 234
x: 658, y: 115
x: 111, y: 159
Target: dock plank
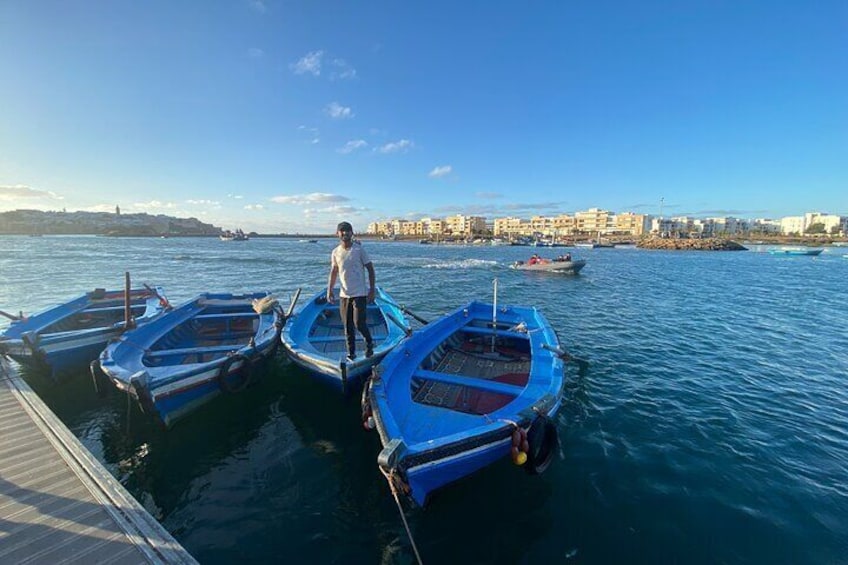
x: 58, y: 504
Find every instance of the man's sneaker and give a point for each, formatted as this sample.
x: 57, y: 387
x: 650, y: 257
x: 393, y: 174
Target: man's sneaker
x: 369, y: 350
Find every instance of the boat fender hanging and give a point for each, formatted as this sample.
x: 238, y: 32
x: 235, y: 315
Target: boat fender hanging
x: 541, y: 442
x: 520, y: 446
x: 365, y: 404
x: 243, y: 372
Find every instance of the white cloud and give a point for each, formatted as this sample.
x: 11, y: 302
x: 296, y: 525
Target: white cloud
x: 341, y: 70
x: 314, y: 136
x: 22, y: 191
x: 311, y: 198
x: 337, y: 210
x: 254, y: 207
x: 399, y: 146
x: 441, y: 171
x: 309, y: 63
x: 255, y: 53
x: 488, y: 195
x: 154, y: 205
x: 337, y: 111
x: 258, y: 5
x: 236, y: 196
x: 203, y: 202
x: 352, y: 146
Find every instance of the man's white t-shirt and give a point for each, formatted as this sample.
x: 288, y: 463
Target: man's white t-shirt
x: 351, y: 264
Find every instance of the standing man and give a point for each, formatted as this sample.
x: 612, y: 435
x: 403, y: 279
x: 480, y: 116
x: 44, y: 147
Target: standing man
x: 349, y: 261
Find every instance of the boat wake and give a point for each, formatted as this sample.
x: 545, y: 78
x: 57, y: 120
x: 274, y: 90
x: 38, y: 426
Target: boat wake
x: 463, y: 264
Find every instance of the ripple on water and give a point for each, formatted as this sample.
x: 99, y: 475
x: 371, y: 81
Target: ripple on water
x: 710, y: 427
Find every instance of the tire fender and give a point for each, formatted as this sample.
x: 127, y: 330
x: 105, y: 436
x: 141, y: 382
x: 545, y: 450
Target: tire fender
x: 542, y: 437
x: 244, y: 371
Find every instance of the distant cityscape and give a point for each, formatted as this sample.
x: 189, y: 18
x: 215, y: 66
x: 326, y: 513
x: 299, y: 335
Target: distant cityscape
x: 598, y: 222
x: 592, y: 223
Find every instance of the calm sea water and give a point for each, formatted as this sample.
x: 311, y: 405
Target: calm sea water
x: 711, y: 427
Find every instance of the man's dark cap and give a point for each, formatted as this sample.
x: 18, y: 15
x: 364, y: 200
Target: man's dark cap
x: 344, y: 226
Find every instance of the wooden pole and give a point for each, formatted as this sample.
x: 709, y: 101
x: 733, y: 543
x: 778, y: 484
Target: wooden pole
x: 128, y: 319
x: 495, y: 315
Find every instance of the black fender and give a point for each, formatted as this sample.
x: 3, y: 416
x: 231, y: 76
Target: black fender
x: 244, y: 371
x: 543, y: 441
x: 365, y: 404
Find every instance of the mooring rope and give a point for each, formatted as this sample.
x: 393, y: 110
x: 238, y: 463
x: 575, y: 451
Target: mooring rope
x: 393, y: 488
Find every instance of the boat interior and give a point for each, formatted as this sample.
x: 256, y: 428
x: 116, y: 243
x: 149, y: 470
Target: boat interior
x: 475, y: 371
x: 205, y: 337
x: 327, y: 336
x: 100, y: 314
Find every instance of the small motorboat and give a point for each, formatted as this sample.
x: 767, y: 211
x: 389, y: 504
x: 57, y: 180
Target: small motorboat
x: 796, y: 251
x: 314, y: 338
x: 195, y: 352
x: 72, y: 334
x: 555, y: 266
x: 477, y: 385
x: 237, y: 235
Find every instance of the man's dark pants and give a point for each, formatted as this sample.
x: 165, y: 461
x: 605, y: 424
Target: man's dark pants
x: 353, y: 312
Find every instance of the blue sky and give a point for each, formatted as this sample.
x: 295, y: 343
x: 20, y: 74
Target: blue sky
x: 282, y: 116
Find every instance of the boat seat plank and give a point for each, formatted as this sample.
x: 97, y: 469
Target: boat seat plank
x: 471, y: 382
x: 195, y: 350
x: 329, y: 338
x: 224, y: 316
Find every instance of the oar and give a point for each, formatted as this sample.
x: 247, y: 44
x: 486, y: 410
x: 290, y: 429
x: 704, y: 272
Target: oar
x: 405, y: 310
x: 399, y: 324
x: 293, y: 302
x: 582, y: 364
x: 10, y: 316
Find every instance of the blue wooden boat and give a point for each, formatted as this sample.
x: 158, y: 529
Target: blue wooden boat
x: 796, y: 251
x: 185, y: 358
x: 464, y: 391
x: 72, y: 334
x: 314, y: 338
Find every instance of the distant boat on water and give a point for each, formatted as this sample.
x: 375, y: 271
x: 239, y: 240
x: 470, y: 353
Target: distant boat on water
x: 237, y: 235
x: 796, y: 251
x: 568, y: 267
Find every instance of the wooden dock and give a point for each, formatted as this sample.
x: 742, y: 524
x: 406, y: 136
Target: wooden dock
x: 58, y: 504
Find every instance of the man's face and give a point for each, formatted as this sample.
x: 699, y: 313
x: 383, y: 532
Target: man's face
x: 345, y: 235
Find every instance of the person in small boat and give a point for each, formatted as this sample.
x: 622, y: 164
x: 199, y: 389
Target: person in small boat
x: 348, y: 262
x: 534, y: 259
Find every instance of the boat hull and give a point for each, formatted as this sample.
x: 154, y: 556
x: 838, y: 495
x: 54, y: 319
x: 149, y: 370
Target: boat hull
x: 447, y: 401
x: 809, y: 252
x: 198, y: 351
x: 69, y: 336
x: 564, y: 267
x: 314, y: 339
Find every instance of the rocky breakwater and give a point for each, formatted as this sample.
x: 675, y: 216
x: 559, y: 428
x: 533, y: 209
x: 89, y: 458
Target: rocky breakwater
x: 711, y: 244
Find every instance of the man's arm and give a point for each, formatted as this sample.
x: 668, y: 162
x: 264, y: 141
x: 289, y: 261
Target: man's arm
x: 331, y: 283
x: 372, y: 278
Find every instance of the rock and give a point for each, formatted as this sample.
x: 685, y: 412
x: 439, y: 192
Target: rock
x: 711, y: 244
